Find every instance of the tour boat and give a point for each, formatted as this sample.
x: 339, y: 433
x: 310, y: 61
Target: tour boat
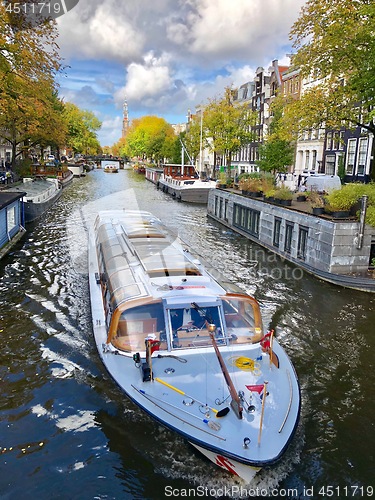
x: 188, y: 347
x: 111, y: 169
x: 184, y: 184
x: 110, y: 166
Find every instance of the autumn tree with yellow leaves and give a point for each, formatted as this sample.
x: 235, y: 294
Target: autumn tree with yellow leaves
x: 149, y: 137
x: 29, y: 62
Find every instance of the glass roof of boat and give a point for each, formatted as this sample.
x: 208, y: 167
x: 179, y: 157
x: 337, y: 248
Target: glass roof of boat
x: 144, y: 243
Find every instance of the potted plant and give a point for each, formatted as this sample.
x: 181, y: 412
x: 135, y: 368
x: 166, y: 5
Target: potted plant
x: 251, y: 185
x: 222, y: 180
x: 269, y: 195
x: 284, y: 196
x: 301, y: 197
x: 317, y: 202
x: 339, y: 203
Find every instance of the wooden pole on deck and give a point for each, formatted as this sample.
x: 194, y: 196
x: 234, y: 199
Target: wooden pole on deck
x: 262, y: 414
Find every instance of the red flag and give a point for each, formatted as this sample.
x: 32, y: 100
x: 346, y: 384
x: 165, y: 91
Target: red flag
x: 155, y: 345
x: 266, y: 341
x: 255, y: 388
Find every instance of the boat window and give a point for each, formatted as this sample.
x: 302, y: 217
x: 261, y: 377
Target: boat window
x: 242, y: 318
x: 189, y: 327
x: 138, y: 323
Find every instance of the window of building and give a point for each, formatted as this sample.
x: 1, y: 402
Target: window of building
x: 350, y: 157
x: 11, y: 219
x: 307, y: 160
x: 362, y: 155
x: 313, y: 163
x: 342, y: 139
x: 336, y: 141
x: 288, y: 237
x: 226, y: 210
x: 302, y: 242
x: 330, y: 164
x: 329, y: 140
x: 276, y: 232
x: 247, y: 219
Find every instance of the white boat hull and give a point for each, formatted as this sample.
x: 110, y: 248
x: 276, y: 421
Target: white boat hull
x: 195, y: 193
x: 182, y: 386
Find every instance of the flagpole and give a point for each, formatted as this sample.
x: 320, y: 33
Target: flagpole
x: 262, y: 414
x: 271, y: 347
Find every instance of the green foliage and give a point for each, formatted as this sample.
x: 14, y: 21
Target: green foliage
x: 275, y: 155
x: 370, y: 216
x: 341, y: 169
x: 283, y: 193
x: 338, y: 200
x: 150, y: 137
x: 81, y: 129
x: 227, y: 125
x: 29, y: 61
x: 335, y: 47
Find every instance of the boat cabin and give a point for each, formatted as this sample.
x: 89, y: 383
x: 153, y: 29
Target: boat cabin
x: 180, y: 171
x: 152, y: 287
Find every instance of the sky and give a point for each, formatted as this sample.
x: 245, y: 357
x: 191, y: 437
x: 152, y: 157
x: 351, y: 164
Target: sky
x: 166, y: 56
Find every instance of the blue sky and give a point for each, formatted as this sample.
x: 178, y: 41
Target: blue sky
x: 166, y: 56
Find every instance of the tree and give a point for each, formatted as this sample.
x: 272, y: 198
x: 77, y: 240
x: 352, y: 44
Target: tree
x: 192, y: 138
x: 229, y: 126
x: 149, y: 137
x: 82, y: 126
x: 29, y: 61
x: 335, y: 46
x: 277, y: 152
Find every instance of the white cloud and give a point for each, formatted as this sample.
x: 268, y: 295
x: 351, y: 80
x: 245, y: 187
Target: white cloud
x: 148, y: 79
x: 106, y: 33
x: 224, y: 29
x: 167, y: 56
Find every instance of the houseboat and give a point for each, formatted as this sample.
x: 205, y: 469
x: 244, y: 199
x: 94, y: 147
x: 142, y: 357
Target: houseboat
x: 11, y: 220
x: 339, y: 251
x: 153, y: 174
x: 189, y: 351
x: 183, y: 183
x: 61, y: 173
x: 38, y: 195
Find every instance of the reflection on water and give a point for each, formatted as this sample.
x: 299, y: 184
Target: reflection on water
x: 65, y: 427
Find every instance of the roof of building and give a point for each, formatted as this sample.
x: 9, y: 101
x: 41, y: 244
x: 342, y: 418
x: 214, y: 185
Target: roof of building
x: 6, y: 198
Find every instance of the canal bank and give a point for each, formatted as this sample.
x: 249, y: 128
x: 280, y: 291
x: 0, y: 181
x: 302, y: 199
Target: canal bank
x: 337, y: 251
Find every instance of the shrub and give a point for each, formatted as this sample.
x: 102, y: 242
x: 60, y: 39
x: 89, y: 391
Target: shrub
x: 339, y: 200
x: 283, y: 193
x: 270, y: 193
x: 370, y: 215
x: 315, y: 199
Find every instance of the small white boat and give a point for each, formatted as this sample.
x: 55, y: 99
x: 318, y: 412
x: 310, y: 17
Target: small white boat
x: 183, y: 183
x: 111, y: 169
x: 189, y: 351
x: 110, y: 166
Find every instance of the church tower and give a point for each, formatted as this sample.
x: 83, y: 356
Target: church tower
x: 125, y: 119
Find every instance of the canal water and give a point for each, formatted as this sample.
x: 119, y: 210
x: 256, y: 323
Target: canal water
x: 67, y: 432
